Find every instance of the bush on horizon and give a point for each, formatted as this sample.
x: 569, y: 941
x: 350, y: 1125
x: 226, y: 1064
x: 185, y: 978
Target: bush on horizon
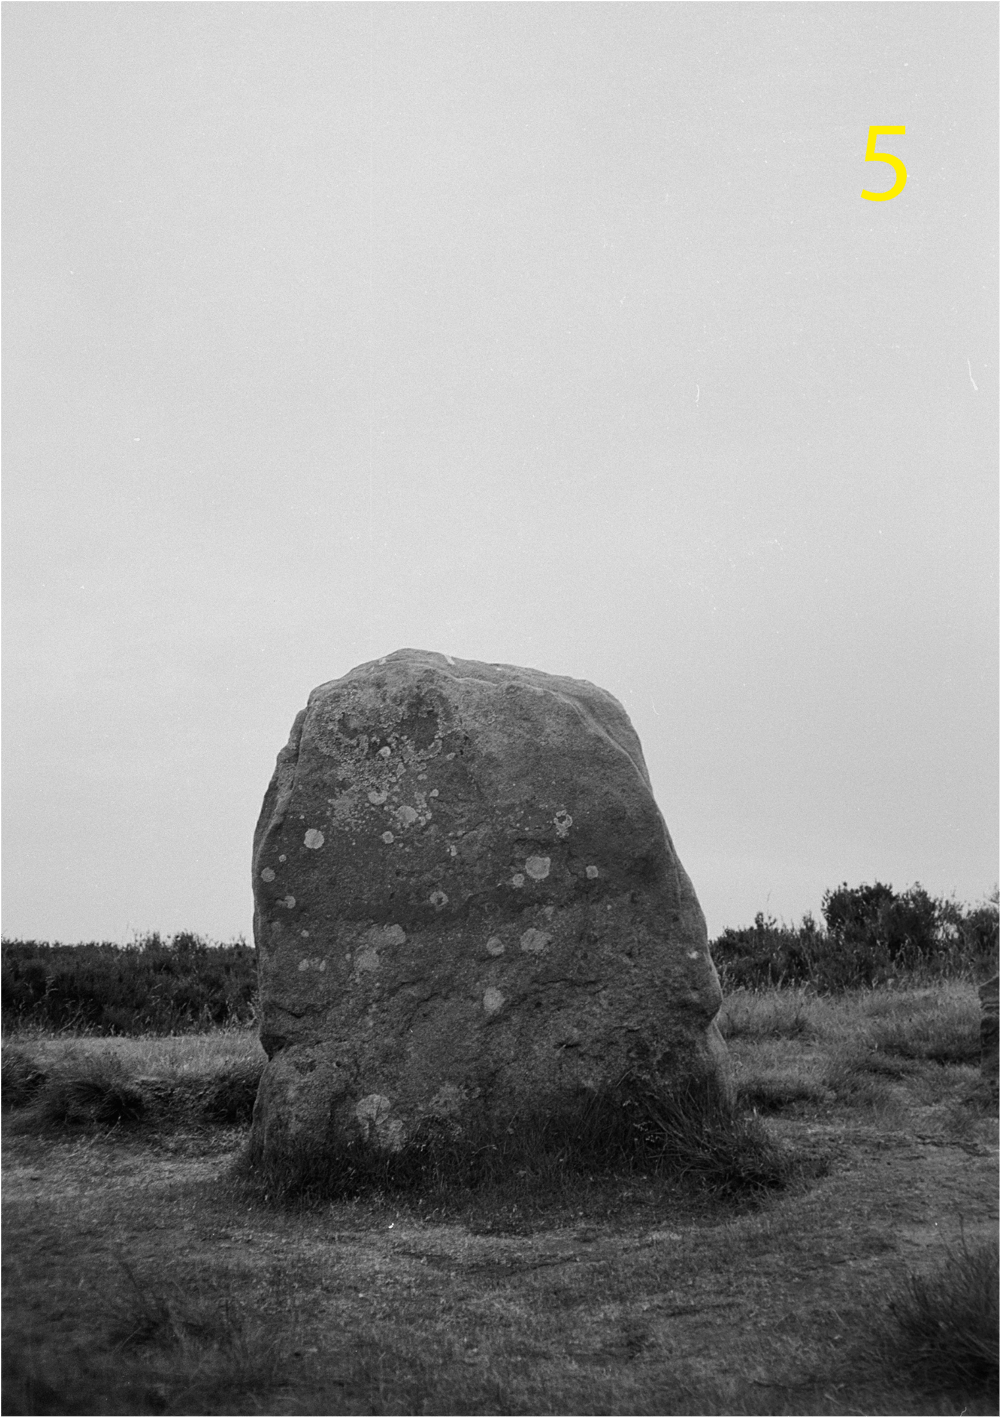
x: 152, y: 986
x: 872, y: 935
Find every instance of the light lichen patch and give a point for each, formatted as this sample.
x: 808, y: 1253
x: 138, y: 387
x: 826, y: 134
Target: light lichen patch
x: 563, y: 822
x: 538, y: 867
x: 495, y: 945
x: 374, y: 1113
x: 447, y: 1100
x: 382, y: 937
x: 535, y: 941
x: 592, y: 872
x: 438, y: 899
x: 267, y: 874
x: 314, y: 839
x: 517, y: 879
x: 492, y: 1001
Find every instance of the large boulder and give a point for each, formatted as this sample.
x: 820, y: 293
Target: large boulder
x: 467, y: 903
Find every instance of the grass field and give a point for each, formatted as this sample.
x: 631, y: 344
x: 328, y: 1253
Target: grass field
x: 145, y: 1272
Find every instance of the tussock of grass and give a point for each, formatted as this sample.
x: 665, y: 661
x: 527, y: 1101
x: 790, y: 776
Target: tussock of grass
x: 86, y: 1092
x: 20, y: 1076
x: 231, y: 1094
x: 944, y: 1328
x: 693, y: 1137
x: 163, y: 1081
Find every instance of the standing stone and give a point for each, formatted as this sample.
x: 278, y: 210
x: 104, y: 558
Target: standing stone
x: 467, y: 902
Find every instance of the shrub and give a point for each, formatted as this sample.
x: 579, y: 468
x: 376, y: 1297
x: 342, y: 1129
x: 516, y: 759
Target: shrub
x: 766, y: 954
x: 151, y: 987
x: 871, y: 936
x: 880, y: 931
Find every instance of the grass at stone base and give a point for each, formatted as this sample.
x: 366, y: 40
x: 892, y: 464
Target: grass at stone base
x: 693, y: 1140
x: 141, y: 1276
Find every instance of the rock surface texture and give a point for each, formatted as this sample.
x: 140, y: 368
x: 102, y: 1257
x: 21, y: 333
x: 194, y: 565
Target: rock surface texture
x: 467, y: 902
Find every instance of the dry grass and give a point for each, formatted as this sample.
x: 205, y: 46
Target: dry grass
x: 166, y: 1056
x: 792, y: 1046
x: 950, y: 1010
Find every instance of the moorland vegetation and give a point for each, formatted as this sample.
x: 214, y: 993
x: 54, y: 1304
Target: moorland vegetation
x: 870, y: 936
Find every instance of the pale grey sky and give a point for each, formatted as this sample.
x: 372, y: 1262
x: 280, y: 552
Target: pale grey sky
x: 554, y: 334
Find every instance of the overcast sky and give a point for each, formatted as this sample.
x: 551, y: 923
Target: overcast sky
x: 552, y: 334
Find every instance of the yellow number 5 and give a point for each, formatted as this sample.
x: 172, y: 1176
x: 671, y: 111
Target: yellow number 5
x: 872, y: 156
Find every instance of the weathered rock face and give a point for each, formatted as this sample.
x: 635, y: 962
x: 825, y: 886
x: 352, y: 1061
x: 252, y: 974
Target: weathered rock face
x: 467, y: 901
